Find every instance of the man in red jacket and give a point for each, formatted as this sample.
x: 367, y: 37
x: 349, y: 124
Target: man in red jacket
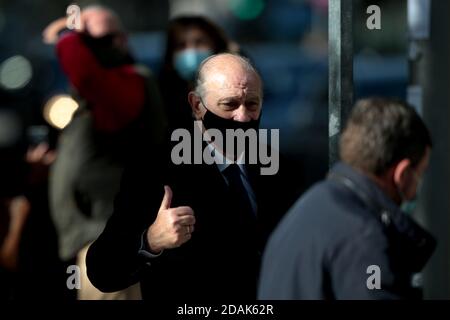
x: 119, y: 112
x: 98, y: 64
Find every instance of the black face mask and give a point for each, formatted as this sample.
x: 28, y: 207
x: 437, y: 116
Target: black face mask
x: 213, y: 121
x: 107, y: 54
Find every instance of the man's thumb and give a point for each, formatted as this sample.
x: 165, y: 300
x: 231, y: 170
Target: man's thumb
x: 167, y: 199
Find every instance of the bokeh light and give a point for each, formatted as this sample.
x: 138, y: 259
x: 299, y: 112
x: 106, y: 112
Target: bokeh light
x: 15, y: 72
x: 58, y: 111
x: 246, y: 9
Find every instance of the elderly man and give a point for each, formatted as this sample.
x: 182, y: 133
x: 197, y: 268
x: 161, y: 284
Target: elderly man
x: 193, y: 231
x: 349, y: 236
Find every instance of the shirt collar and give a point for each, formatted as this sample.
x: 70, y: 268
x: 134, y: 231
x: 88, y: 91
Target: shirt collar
x: 367, y: 185
x: 223, y: 162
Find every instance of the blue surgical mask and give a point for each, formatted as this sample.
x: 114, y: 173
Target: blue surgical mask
x: 186, y: 62
x: 409, y: 206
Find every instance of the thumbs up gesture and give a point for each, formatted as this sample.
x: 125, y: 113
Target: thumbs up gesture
x: 172, y: 226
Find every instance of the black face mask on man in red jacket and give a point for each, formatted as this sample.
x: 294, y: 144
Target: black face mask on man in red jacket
x: 106, y: 52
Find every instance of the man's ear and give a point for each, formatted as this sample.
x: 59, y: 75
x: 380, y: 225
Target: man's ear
x: 400, y: 173
x: 194, y: 101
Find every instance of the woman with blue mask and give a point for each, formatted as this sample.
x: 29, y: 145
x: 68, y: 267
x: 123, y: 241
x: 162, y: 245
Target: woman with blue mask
x: 190, y: 40
x: 186, y: 62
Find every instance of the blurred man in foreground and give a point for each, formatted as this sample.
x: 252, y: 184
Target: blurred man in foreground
x: 347, y: 237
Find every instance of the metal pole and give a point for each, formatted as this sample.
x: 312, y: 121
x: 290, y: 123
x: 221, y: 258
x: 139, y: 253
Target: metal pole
x: 340, y: 79
x: 430, y: 70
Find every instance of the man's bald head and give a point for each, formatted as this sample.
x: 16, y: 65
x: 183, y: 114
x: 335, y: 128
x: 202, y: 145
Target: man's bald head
x: 219, y: 68
x: 228, y: 86
x: 101, y: 20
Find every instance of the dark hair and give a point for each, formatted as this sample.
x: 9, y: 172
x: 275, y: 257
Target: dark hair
x: 380, y: 133
x: 220, y: 41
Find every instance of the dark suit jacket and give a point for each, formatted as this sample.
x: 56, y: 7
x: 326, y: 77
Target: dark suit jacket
x: 222, y: 258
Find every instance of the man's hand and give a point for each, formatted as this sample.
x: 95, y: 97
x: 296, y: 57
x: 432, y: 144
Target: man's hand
x: 40, y: 155
x: 50, y: 33
x: 172, y: 227
x: 97, y: 22
x: 19, y: 209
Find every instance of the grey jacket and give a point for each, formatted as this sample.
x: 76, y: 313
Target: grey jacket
x: 83, y: 183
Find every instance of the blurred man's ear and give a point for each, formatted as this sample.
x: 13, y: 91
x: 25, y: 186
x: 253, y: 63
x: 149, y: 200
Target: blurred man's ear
x: 194, y: 101
x: 401, y: 178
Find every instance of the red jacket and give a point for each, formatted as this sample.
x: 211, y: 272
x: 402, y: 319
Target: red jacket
x: 116, y: 95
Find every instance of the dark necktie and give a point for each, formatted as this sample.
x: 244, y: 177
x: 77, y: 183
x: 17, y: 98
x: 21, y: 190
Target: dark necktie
x: 237, y: 189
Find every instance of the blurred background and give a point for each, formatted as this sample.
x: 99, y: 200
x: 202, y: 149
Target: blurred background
x: 286, y: 40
